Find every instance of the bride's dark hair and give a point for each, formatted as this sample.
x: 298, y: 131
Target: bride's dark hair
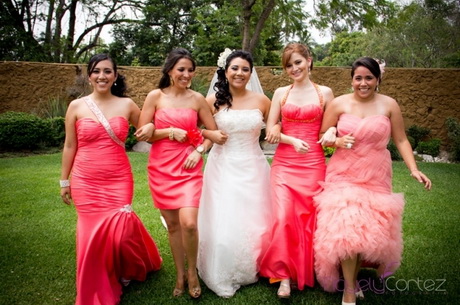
x: 223, y: 95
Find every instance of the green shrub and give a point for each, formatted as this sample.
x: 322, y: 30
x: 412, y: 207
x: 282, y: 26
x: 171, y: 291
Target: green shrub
x: 418, y: 134
x: 395, y: 156
x: 412, y: 142
x: 20, y: 130
x: 453, y: 133
x: 131, y: 139
x: 430, y: 147
x: 56, y: 136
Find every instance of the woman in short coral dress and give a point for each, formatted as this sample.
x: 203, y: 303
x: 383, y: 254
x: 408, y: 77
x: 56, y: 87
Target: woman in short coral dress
x: 359, y: 218
x: 113, y: 246
x: 175, y: 161
x: 297, y: 167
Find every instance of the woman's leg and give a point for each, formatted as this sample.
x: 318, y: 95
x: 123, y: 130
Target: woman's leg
x: 175, y: 241
x: 349, y: 269
x: 188, y: 221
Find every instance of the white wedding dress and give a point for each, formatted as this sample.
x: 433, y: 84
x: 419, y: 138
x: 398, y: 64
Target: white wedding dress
x: 234, y: 218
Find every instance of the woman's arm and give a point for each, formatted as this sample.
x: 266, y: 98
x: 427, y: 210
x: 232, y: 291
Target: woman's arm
x: 398, y: 134
x: 69, y: 151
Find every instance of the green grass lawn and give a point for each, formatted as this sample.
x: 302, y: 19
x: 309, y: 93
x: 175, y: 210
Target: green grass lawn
x: 37, y: 243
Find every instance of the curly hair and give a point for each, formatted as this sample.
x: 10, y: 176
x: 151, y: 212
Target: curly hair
x: 223, y: 95
x: 173, y: 57
x: 119, y: 86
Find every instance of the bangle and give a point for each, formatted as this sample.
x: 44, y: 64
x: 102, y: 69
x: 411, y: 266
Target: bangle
x: 171, y: 133
x: 64, y: 183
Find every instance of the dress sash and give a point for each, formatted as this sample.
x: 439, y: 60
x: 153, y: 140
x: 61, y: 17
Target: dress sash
x: 100, y: 116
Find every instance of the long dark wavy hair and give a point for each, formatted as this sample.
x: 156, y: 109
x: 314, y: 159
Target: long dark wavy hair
x: 119, y: 87
x: 223, y: 95
x: 173, y: 57
x: 369, y: 63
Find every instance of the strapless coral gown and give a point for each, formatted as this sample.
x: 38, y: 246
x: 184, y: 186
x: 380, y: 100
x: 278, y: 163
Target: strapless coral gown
x: 112, y: 242
x: 172, y: 186
x: 357, y: 211
x: 294, y: 182
x: 234, y: 220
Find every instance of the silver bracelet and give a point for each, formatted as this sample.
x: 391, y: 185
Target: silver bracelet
x: 64, y: 183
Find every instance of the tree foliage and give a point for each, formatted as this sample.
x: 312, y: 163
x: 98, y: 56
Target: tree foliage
x: 420, y: 34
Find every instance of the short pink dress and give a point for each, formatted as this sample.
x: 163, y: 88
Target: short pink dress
x: 112, y: 242
x: 294, y: 181
x: 172, y: 185
x: 357, y: 211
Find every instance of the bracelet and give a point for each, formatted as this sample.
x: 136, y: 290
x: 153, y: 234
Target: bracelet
x: 64, y: 183
x: 171, y: 133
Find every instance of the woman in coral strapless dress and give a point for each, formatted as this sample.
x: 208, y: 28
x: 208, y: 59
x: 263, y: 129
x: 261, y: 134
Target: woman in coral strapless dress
x: 235, y: 213
x: 297, y: 167
x: 175, y: 162
x: 359, y: 218
x: 113, y: 246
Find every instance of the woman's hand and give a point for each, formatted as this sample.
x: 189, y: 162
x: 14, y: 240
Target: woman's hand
x: 66, y: 196
x: 145, y: 132
x: 216, y: 136
x: 329, y: 137
x: 192, y: 160
x: 420, y: 177
x: 273, y: 135
x: 180, y: 135
x: 300, y: 146
x: 346, y: 141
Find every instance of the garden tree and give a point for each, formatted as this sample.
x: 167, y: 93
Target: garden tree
x: 424, y: 34
x: 343, y: 50
x: 165, y: 25
x: 352, y: 15
x: 21, y: 19
x: 17, y: 41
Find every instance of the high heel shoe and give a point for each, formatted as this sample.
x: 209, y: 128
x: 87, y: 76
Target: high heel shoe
x: 177, y: 292
x: 284, y: 292
x: 348, y: 303
x: 194, y: 291
x: 359, y: 293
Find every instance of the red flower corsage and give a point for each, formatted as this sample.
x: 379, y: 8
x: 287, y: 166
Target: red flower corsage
x: 194, y: 137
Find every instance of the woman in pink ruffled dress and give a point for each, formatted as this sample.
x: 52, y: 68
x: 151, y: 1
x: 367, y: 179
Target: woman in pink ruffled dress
x: 359, y: 218
x: 297, y: 167
x: 113, y: 246
x: 175, y: 161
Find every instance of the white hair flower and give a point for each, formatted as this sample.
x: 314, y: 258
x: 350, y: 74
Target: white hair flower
x: 223, y: 58
x: 382, y: 64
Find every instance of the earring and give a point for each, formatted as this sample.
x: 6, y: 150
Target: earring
x: 377, y: 89
x: 171, y: 81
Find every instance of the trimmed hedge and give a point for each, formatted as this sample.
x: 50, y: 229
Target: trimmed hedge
x: 22, y: 131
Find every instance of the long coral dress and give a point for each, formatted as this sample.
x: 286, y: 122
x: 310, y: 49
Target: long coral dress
x: 357, y: 211
x: 234, y: 220
x: 112, y: 242
x: 172, y: 186
x: 294, y: 182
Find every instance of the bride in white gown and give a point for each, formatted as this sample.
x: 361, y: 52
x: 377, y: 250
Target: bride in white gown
x: 234, y: 218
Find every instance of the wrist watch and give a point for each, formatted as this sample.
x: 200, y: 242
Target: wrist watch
x: 200, y: 149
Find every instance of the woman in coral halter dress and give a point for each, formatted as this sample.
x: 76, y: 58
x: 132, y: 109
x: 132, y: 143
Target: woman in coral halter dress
x: 297, y: 167
x: 113, y: 246
x: 175, y: 161
x: 235, y: 213
x: 359, y: 218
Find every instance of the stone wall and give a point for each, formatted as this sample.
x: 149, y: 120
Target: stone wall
x: 426, y: 96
